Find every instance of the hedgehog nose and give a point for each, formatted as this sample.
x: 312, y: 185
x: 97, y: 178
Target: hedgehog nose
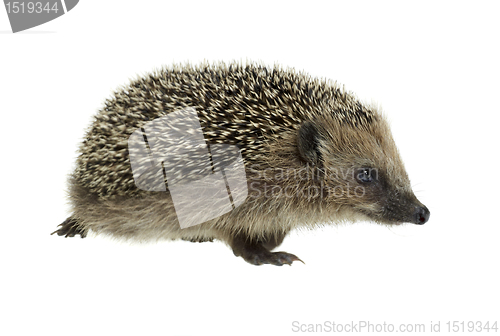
x: 421, y: 215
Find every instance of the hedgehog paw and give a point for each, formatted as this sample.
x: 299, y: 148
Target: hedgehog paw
x: 70, y: 228
x: 256, y: 252
x: 273, y: 258
x: 258, y: 255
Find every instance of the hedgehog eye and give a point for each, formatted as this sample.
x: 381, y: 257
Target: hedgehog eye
x: 366, y: 175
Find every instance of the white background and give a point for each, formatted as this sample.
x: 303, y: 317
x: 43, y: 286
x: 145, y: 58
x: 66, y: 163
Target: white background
x: 432, y: 66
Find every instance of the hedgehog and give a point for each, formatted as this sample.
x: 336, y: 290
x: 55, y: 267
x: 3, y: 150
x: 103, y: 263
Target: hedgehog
x: 253, y: 153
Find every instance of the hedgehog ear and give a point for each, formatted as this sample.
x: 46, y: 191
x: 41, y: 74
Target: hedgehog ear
x: 308, y: 143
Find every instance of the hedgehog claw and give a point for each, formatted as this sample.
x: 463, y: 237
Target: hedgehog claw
x: 286, y: 258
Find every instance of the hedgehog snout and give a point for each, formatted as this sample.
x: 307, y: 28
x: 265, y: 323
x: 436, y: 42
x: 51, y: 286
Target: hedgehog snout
x: 421, y: 215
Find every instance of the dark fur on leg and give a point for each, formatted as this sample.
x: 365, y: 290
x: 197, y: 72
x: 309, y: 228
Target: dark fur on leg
x: 70, y: 228
x: 258, y: 252
x: 198, y: 240
x: 272, y: 242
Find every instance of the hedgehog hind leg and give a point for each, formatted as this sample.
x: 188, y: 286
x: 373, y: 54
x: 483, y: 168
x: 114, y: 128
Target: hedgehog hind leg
x: 70, y: 228
x: 273, y: 241
x: 258, y: 252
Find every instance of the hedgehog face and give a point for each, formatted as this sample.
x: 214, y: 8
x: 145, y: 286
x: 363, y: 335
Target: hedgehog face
x: 362, y: 169
x: 384, y: 200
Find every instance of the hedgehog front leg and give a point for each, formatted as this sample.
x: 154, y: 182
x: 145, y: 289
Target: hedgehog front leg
x: 258, y: 252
